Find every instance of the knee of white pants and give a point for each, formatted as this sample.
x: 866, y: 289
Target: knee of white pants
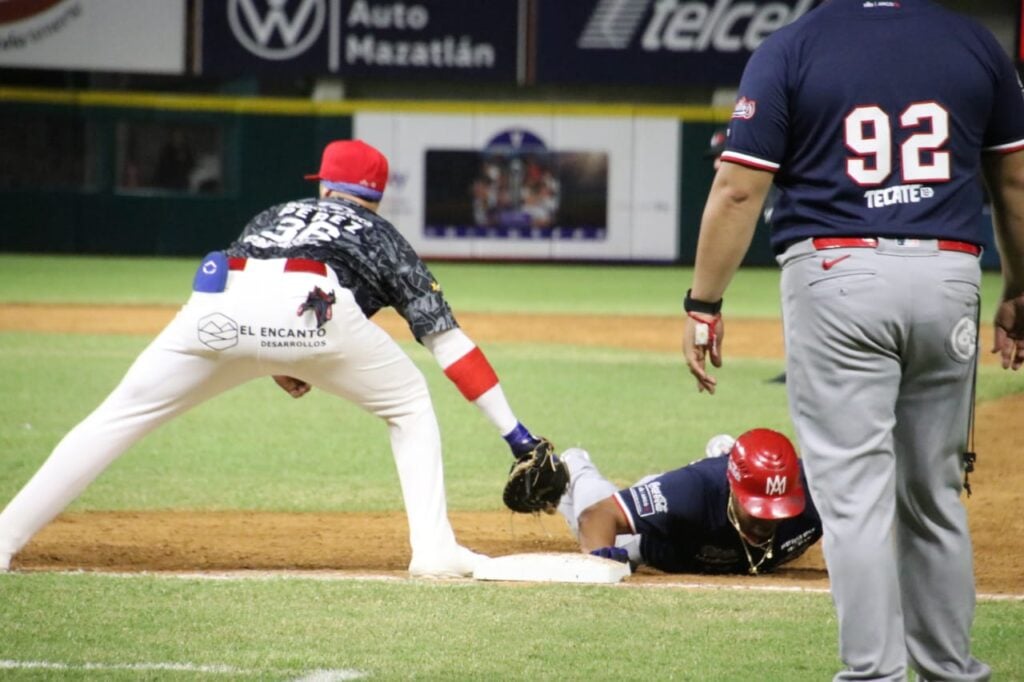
x: 412, y: 399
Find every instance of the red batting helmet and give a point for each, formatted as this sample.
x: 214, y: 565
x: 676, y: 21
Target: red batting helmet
x: 764, y: 475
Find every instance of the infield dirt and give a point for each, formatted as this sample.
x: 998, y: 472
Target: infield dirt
x: 370, y: 543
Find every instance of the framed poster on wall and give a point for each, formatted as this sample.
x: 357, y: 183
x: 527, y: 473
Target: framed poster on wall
x: 530, y: 185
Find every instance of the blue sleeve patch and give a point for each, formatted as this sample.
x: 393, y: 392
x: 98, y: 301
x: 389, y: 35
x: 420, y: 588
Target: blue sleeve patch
x: 212, y: 274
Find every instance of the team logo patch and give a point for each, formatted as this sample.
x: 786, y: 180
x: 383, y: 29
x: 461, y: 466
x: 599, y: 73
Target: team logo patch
x: 963, y: 340
x: 217, y: 331
x: 212, y: 274
x: 647, y: 499
x: 745, y: 108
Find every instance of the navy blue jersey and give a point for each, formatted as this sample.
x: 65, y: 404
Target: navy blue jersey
x: 370, y: 257
x: 871, y: 114
x: 681, y: 518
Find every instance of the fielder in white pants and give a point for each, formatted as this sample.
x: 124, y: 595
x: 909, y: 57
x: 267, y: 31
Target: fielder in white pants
x: 291, y: 298
x: 250, y: 330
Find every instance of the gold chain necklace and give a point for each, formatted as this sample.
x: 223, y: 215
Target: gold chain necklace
x: 765, y: 547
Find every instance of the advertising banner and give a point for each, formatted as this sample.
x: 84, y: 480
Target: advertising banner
x: 654, y: 42
x: 443, y: 39
x: 530, y: 186
x: 141, y: 36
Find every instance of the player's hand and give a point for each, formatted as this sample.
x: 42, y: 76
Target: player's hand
x: 1009, y: 332
x: 296, y: 388
x: 702, y: 336
x: 620, y: 554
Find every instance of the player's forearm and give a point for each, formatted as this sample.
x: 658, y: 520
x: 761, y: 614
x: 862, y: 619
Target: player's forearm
x: 600, y: 523
x: 727, y: 228
x: 1005, y: 177
x: 468, y: 368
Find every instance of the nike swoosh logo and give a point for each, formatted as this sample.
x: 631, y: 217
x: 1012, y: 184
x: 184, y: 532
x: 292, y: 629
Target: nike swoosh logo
x: 829, y: 263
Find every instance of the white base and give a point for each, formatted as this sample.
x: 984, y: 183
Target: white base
x: 552, y: 567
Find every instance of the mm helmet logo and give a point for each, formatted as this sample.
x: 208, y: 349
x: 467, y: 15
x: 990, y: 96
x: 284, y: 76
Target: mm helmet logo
x: 269, y: 30
x: 775, y: 485
x: 687, y: 26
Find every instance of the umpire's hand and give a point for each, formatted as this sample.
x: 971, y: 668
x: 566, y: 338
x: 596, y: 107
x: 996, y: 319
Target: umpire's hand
x: 703, y: 335
x: 1009, y: 336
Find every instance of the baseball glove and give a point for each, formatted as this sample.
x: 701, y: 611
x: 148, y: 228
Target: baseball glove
x: 536, y: 481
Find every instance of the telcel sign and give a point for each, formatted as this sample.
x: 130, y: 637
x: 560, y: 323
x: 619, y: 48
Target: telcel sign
x: 725, y: 27
x: 656, y: 41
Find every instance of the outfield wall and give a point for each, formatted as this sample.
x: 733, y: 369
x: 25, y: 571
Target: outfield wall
x: 178, y: 175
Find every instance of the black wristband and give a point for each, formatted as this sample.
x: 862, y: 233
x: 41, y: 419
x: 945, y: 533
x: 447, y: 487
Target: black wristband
x: 692, y: 305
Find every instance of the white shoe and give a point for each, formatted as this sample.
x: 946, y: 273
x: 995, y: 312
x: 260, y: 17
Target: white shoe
x: 719, y: 445
x: 457, y: 563
x: 573, y: 458
x: 5, y: 563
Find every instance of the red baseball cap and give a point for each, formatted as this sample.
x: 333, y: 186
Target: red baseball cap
x: 764, y: 475
x: 716, y: 145
x: 354, y: 167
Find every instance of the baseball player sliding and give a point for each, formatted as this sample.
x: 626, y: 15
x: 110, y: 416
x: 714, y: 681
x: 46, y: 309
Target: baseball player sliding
x: 292, y: 298
x: 742, y: 509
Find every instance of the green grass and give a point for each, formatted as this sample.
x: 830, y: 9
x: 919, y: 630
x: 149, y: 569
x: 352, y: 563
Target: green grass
x: 620, y: 290
x: 256, y: 448
x: 281, y: 628
x: 581, y: 289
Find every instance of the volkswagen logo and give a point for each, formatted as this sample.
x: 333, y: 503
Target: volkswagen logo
x: 277, y: 29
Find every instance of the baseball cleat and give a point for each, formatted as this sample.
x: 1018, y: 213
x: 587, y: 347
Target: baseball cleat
x: 719, y: 445
x: 574, y: 458
x: 458, y: 563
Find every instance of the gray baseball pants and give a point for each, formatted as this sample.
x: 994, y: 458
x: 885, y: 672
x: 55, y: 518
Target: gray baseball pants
x: 881, y: 346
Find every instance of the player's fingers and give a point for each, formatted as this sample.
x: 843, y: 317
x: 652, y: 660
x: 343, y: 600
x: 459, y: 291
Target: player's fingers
x: 1018, y: 355
x: 296, y: 388
x: 1005, y: 346
x: 715, y: 352
x: 705, y: 382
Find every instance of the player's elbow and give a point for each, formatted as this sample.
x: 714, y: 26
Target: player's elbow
x: 1004, y: 175
x: 741, y: 187
x: 736, y: 197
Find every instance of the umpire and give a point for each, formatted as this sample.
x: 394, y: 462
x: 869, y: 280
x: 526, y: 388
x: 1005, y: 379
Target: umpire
x: 875, y: 120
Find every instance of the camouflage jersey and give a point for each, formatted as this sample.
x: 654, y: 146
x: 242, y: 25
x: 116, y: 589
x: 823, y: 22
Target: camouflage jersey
x: 369, y: 256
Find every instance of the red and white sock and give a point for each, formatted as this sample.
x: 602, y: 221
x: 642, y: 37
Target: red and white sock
x: 468, y: 368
